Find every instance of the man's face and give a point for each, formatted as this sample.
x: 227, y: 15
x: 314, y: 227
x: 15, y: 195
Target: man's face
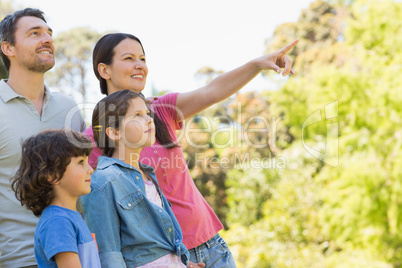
x: 33, y: 49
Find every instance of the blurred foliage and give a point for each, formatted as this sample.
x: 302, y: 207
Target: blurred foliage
x: 73, y: 61
x: 314, y: 169
x: 308, y: 175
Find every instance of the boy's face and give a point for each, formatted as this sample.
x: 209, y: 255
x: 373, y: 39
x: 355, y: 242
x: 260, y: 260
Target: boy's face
x: 76, y: 180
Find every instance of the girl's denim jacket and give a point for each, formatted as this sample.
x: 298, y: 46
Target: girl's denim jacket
x: 129, y: 229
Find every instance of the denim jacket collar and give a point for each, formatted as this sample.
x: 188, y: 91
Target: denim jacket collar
x: 104, y: 162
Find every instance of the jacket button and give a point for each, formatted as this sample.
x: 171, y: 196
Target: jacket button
x: 170, y: 230
x: 129, y: 204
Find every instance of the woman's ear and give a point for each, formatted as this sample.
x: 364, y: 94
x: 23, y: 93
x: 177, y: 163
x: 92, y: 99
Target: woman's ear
x: 112, y: 133
x: 103, y: 70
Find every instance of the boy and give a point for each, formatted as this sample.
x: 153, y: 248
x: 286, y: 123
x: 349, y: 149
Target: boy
x: 27, y: 107
x: 53, y: 174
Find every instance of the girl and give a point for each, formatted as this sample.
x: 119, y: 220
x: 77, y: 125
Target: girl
x: 119, y: 63
x: 131, y: 218
x: 53, y: 174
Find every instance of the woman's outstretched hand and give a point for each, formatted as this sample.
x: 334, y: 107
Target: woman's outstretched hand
x: 277, y: 60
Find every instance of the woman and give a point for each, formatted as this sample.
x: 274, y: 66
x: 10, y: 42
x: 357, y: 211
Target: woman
x: 119, y: 63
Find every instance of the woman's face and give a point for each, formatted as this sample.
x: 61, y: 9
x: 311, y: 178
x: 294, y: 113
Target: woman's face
x: 128, y: 69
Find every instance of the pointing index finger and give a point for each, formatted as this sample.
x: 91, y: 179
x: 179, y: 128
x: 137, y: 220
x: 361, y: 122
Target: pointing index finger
x: 288, y: 47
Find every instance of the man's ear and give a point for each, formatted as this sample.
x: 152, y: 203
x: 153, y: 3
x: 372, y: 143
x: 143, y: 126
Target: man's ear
x: 112, y: 133
x: 103, y: 70
x: 7, y: 49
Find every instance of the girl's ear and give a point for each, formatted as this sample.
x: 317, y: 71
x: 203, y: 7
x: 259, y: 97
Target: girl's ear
x: 112, y: 133
x: 103, y: 70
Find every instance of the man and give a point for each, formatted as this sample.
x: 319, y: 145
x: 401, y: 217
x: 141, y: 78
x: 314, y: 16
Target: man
x: 27, y: 107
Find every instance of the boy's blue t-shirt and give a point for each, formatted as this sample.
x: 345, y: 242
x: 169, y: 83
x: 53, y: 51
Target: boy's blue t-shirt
x: 63, y: 230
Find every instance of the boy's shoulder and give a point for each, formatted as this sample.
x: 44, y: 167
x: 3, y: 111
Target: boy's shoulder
x: 57, y: 215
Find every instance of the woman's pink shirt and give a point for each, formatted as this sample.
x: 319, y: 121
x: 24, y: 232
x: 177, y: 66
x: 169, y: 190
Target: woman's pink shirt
x: 197, y: 219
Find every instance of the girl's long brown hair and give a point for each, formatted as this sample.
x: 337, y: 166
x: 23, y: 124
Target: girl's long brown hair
x: 109, y: 112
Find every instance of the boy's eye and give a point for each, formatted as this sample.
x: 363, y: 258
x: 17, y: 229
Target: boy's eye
x: 81, y: 161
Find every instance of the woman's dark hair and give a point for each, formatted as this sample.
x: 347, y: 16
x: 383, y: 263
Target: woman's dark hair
x: 45, y: 158
x: 104, y: 53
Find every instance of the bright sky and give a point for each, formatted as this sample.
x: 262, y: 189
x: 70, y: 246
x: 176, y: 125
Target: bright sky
x: 179, y: 36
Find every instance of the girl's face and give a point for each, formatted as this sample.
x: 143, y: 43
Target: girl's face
x: 128, y: 69
x: 138, y: 129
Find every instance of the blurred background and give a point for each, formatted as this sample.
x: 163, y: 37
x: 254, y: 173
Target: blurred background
x: 304, y: 171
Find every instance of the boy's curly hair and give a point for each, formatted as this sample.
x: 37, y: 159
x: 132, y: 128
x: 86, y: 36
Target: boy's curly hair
x: 45, y: 158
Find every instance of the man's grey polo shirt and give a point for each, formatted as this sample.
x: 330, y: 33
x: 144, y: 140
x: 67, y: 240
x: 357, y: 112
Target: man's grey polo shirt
x: 19, y: 120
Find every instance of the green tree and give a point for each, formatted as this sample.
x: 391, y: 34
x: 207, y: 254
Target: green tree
x: 73, y: 60
x: 319, y: 27
x: 316, y: 214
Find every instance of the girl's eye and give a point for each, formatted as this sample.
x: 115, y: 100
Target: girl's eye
x: 81, y: 162
x: 128, y: 58
x: 143, y: 60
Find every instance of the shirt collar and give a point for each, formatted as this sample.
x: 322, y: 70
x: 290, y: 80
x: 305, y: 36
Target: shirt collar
x: 104, y: 162
x: 7, y: 93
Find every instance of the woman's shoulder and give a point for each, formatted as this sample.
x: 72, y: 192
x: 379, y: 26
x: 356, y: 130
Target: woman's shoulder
x: 169, y: 98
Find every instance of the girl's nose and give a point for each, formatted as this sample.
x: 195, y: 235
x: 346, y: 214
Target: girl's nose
x: 150, y: 120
